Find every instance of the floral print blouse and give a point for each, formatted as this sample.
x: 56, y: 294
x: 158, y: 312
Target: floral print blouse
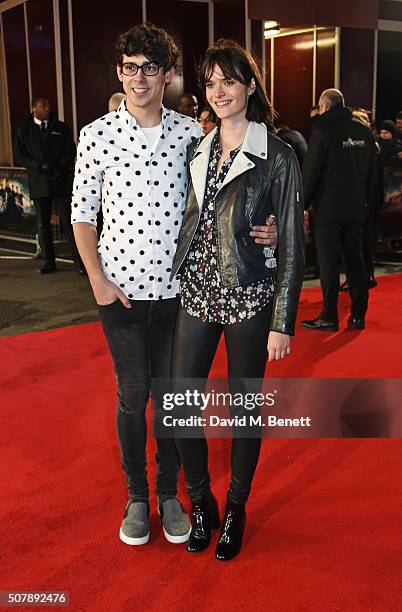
x: 201, y: 289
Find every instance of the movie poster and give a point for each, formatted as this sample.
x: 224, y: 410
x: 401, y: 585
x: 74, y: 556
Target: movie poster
x: 17, y: 213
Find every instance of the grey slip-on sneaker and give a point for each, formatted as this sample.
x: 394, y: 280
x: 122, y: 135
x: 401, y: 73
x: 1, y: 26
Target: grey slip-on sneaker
x: 134, y: 529
x: 176, y: 524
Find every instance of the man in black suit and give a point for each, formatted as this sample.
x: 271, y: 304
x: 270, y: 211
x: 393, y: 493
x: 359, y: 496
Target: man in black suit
x: 340, y: 181
x: 44, y: 146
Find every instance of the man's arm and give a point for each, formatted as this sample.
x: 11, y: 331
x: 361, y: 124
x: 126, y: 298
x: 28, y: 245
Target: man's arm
x: 21, y: 157
x: 312, y: 165
x: 66, y: 161
x: 87, y: 195
x: 105, y: 291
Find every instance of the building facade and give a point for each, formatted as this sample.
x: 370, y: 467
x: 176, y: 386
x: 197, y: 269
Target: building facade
x: 64, y: 50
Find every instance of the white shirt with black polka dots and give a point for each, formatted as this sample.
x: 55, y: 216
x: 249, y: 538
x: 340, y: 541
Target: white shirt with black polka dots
x: 142, y: 191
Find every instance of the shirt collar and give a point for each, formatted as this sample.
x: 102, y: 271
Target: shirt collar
x: 38, y: 121
x: 132, y: 122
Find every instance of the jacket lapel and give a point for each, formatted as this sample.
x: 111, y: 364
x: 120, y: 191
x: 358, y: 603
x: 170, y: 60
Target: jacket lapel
x: 199, y: 166
x: 240, y: 164
x: 255, y: 143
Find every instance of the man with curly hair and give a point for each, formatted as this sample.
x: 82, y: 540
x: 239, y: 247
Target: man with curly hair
x: 133, y: 162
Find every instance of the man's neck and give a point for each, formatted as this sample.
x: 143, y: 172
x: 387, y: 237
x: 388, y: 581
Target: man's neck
x: 145, y: 117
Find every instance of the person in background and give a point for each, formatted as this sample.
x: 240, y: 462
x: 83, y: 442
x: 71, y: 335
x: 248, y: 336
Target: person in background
x: 370, y: 232
x: 398, y: 122
x: 340, y: 181
x: 295, y: 140
x: 311, y: 254
x: 188, y: 105
x: 314, y: 111
x: 44, y: 145
x: 362, y: 115
x: 391, y: 151
x: 206, y: 122
x: 115, y: 100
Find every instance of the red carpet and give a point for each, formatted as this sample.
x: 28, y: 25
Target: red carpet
x: 324, y: 520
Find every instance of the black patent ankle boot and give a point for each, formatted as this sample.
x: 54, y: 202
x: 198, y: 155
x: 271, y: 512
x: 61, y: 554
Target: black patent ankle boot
x: 205, y: 516
x: 231, y: 536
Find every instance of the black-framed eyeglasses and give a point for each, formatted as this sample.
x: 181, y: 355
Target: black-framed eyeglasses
x: 148, y: 69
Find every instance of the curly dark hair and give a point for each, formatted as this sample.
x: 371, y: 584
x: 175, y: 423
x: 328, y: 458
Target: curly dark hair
x: 237, y: 63
x: 146, y: 39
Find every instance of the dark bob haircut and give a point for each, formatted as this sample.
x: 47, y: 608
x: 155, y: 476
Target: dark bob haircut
x: 236, y: 63
x: 146, y: 39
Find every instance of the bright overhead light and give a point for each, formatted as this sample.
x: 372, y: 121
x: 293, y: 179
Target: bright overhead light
x: 271, y: 28
x: 269, y: 25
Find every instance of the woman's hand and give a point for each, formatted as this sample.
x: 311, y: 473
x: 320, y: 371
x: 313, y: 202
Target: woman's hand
x: 278, y: 346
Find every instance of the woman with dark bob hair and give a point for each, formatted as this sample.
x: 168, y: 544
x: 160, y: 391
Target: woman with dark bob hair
x: 238, y: 175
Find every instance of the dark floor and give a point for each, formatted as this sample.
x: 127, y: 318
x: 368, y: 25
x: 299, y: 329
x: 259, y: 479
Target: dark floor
x: 30, y: 301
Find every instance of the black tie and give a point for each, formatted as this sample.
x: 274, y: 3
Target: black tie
x: 43, y: 126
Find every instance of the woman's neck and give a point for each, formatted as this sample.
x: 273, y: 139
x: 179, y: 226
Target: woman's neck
x: 232, y: 132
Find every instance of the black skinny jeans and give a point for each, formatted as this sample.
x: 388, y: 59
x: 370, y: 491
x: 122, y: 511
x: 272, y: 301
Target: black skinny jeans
x: 195, y: 346
x: 141, y: 342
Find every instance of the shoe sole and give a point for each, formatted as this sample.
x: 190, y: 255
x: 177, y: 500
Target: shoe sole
x: 324, y: 329
x: 133, y: 541
x: 180, y: 539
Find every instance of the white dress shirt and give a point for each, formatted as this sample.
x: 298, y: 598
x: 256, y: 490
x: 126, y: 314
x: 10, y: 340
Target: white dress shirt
x: 140, y: 179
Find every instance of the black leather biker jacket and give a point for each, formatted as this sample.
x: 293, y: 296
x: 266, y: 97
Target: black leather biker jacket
x: 264, y: 179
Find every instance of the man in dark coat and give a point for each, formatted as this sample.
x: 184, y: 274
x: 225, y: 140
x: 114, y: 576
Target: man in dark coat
x: 340, y: 181
x: 295, y: 140
x: 44, y: 146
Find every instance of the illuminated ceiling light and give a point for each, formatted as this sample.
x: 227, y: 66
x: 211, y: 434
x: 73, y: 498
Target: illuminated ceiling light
x: 271, y: 28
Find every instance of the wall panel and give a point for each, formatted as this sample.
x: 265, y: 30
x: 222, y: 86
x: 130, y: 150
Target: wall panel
x: 389, y: 84
x: 357, y: 64
x: 325, y: 70
x: 358, y: 13
x: 229, y: 20
x: 293, y: 57
x: 187, y: 22
x: 41, y: 50
x: 16, y: 60
x: 95, y: 33
x: 65, y: 62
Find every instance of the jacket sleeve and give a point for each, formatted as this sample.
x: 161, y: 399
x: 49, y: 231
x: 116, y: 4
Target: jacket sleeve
x: 287, y: 203
x: 66, y: 161
x: 21, y: 156
x: 312, y: 165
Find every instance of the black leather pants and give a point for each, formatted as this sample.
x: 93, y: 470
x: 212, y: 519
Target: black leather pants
x: 195, y: 346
